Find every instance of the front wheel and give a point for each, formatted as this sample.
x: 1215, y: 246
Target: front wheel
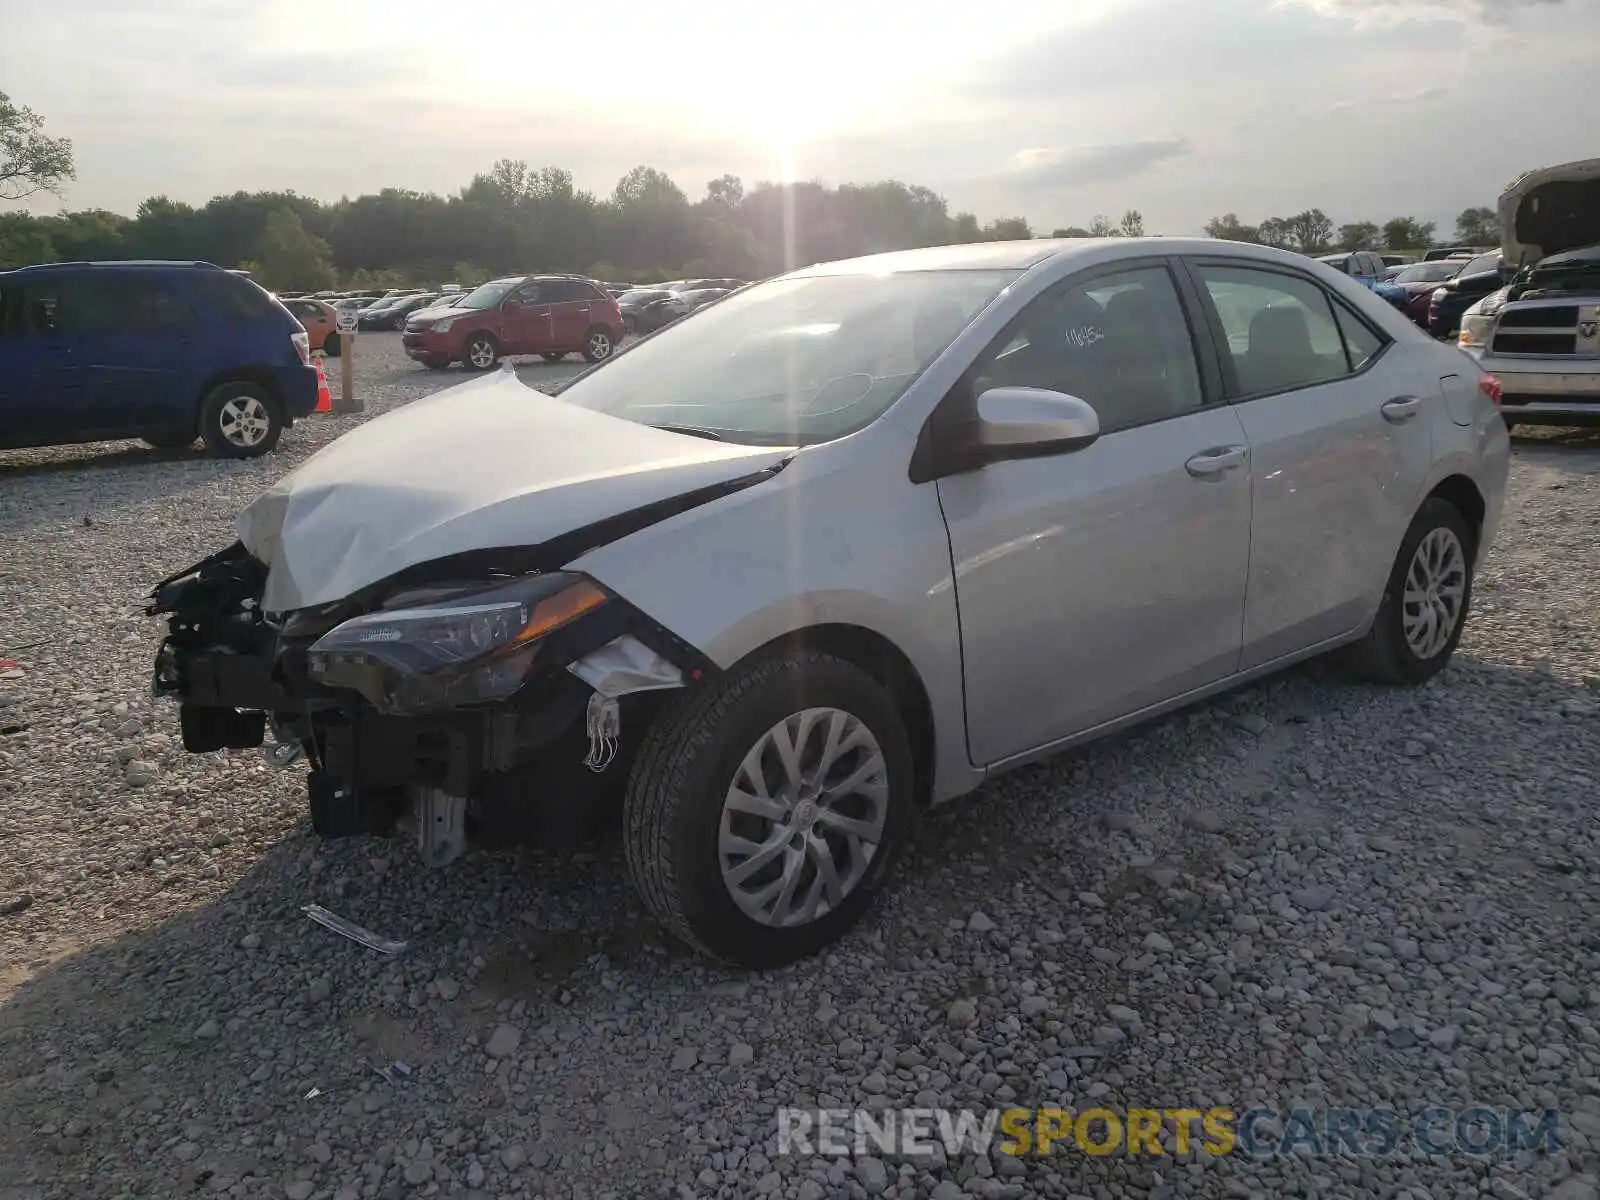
x: 481, y: 352
x: 765, y: 808
x: 598, y: 344
x: 240, y: 420
x: 1424, y: 606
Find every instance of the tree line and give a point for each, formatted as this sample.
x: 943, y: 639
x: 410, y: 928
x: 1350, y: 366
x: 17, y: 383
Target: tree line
x: 1313, y: 231
x: 514, y: 217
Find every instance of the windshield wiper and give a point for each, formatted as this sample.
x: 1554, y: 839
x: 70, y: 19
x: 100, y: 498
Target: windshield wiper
x: 693, y: 431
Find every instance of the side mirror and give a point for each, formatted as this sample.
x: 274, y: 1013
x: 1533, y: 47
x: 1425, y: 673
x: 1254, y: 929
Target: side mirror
x: 1023, y: 422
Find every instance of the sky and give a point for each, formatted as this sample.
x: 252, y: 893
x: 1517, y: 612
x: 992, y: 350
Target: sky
x: 1182, y: 109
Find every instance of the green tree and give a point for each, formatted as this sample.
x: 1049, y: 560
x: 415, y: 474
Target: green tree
x: 24, y: 241
x: 1407, y: 233
x: 1359, y: 235
x: 1275, y: 231
x: 30, y: 160
x: 1132, y: 224
x: 1007, y: 229
x: 1478, y: 227
x: 289, y: 257
x: 1229, y: 228
x: 1310, y: 231
x: 1071, y: 231
x: 725, y: 190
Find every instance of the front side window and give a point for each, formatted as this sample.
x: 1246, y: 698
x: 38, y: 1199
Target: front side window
x: 489, y: 295
x: 1120, y: 342
x: 1279, y: 328
x: 794, y: 361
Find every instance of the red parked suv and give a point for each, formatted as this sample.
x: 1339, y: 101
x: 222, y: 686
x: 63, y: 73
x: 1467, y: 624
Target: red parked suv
x: 552, y: 315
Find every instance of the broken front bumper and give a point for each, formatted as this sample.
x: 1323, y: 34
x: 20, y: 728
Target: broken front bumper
x: 516, y: 767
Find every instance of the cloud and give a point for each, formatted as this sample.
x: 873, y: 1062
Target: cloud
x: 1076, y: 166
x: 1393, y: 12
x: 1394, y: 99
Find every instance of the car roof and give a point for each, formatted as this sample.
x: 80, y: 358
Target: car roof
x: 1025, y: 255
x: 187, y: 264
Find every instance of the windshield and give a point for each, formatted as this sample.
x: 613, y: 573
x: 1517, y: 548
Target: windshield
x: 641, y: 296
x: 489, y: 295
x: 1484, y: 262
x: 1433, y: 272
x: 794, y: 361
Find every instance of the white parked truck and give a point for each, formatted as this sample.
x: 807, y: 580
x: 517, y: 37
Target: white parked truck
x: 1541, y: 334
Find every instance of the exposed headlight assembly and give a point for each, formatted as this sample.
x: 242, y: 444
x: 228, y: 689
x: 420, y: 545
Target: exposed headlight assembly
x: 444, y: 325
x: 471, y: 649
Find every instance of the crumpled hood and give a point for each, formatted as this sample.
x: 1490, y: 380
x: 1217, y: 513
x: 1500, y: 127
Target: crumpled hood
x: 1547, y: 211
x: 483, y: 465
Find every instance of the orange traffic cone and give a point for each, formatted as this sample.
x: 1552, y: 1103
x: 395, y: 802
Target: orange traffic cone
x: 324, y: 396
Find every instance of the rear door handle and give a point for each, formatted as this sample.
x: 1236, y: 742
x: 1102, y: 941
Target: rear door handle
x: 1219, y: 460
x: 1401, y: 409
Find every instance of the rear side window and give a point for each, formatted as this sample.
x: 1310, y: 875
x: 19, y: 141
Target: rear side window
x: 561, y: 291
x: 1360, y: 342
x: 230, y: 298
x: 1279, y: 328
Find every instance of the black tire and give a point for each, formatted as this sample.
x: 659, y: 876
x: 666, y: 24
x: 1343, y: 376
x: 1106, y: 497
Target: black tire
x: 673, y: 808
x: 1511, y: 424
x: 480, y: 339
x: 220, y: 404
x: 1384, y: 655
x: 175, y: 440
x: 599, y: 344
x: 330, y: 345
x: 553, y: 356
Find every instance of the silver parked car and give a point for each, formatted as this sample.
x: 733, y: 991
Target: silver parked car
x: 849, y: 543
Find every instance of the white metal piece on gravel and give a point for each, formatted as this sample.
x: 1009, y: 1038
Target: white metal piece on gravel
x: 351, y: 930
x: 441, y: 825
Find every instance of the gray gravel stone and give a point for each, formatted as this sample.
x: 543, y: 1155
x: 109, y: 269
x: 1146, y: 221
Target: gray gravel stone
x: 1403, y: 900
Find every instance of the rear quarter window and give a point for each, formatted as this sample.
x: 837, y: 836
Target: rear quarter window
x: 231, y: 299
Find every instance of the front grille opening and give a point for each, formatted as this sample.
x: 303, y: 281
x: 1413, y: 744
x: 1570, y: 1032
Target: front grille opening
x: 1561, y: 316
x: 1535, y: 343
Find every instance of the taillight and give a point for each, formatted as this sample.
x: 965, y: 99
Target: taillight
x: 302, y: 346
x: 1491, y: 387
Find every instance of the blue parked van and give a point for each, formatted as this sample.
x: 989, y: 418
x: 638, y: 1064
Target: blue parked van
x: 164, y: 351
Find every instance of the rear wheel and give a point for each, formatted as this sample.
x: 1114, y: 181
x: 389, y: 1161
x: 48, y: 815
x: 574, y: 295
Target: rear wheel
x: 330, y: 345
x: 481, y: 352
x: 598, y: 344
x: 765, y: 808
x: 240, y: 420
x: 1425, y: 604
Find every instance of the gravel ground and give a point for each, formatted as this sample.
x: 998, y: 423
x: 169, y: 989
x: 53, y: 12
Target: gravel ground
x: 1309, y: 891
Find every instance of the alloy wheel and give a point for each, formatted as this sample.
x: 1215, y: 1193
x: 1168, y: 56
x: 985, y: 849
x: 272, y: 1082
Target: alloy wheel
x: 600, y: 345
x: 804, y: 817
x: 1436, y: 584
x: 244, y: 421
x: 481, y: 353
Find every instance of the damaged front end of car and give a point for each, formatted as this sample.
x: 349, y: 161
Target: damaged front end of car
x: 477, y: 698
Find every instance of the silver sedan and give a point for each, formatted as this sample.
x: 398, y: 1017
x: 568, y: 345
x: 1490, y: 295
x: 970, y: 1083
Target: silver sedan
x: 848, y: 544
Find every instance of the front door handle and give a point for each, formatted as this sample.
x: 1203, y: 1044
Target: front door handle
x: 1401, y: 409
x: 1209, y: 464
